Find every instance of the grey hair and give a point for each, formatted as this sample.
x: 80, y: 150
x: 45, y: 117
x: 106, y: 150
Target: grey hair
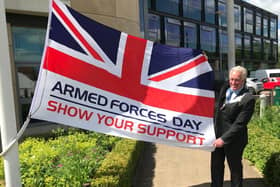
x: 240, y: 69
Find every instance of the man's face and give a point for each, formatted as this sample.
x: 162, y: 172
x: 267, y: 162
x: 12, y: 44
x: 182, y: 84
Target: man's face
x: 235, y: 80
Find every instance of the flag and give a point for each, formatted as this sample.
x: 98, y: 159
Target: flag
x: 97, y: 78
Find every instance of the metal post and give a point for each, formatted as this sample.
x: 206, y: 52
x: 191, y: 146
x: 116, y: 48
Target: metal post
x: 263, y: 104
x: 230, y: 32
x: 7, y: 108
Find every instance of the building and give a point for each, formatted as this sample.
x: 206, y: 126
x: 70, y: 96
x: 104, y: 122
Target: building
x: 197, y: 24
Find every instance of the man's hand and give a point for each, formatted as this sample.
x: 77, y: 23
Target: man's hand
x: 219, y: 142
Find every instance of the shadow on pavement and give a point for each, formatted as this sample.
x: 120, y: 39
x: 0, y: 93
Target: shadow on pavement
x: 248, y: 182
x: 145, y: 167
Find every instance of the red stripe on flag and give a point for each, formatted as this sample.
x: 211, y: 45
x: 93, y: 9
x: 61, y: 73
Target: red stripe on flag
x: 76, y: 32
x: 73, y: 68
x: 182, y: 69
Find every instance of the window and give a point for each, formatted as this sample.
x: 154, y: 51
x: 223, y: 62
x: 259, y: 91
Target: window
x: 168, y: 6
x: 238, y: 46
x: 190, y: 35
x: 248, y: 20
x: 222, y: 13
x: 223, y: 42
x: 172, y: 32
x: 28, y: 44
x: 247, y: 47
x: 257, y: 48
x: 258, y: 24
x: 267, y: 49
x: 153, y: 30
x: 208, y: 39
x: 274, y: 51
x: 237, y: 17
x: 210, y: 11
x: 265, y: 27
x: 273, y: 28
x: 192, y: 9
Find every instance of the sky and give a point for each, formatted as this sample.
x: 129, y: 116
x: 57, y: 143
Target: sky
x: 270, y: 5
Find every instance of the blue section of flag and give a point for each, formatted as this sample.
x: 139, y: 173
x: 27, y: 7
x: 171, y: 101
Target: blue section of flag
x: 59, y: 34
x: 202, y: 82
x: 109, y: 44
x: 164, y: 57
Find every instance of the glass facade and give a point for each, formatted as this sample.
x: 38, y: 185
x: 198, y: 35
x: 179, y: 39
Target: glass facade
x: 222, y: 13
x: 258, y: 24
x: 238, y: 46
x: 267, y: 49
x: 208, y: 39
x: 210, y: 11
x: 273, y: 28
x: 172, y: 32
x: 247, y: 47
x: 237, y: 17
x: 168, y: 6
x: 265, y: 27
x: 190, y: 35
x: 257, y: 52
x: 153, y: 30
x: 192, y: 9
x: 28, y: 44
x: 248, y: 20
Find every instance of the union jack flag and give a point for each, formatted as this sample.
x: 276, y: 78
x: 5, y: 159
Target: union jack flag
x: 177, y: 79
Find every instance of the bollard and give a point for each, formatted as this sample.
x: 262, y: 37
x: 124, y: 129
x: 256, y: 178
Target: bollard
x: 263, y: 104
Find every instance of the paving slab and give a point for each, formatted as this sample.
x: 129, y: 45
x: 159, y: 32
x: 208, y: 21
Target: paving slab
x: 168, y: 166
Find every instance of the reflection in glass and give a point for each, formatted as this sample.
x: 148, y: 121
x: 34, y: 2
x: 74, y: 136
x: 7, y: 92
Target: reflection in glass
x: 272, y: 28
x: 267, y: 49
x: 172, y: 32
x: 192, y: 9
x: 275, y: 51
x: 27, y: 77
x: 247, y: 47
x: 237, y: 17
x: 258, y: 24
x: 224, y: 42
x: 208, y: 38
x: 222, y: 13
x: 238, y: 46
x: 265, y: 27
x: 153, y: 28
x: 28, y: 44
x: 168, y: 6
x: 190, y: 35
x: 257, y: 48
x: 210, y: 11
x: 248, y: 20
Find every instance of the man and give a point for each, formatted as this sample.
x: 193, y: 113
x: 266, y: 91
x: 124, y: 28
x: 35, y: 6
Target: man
x: 234, y: 110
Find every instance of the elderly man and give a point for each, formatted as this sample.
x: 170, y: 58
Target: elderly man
x: 235, y: 107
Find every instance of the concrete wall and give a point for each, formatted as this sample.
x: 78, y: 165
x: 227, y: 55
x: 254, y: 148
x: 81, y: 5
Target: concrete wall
x: 119, y: 14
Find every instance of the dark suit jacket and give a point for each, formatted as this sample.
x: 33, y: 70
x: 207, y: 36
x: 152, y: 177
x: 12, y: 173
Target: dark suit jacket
x: 231, y: 119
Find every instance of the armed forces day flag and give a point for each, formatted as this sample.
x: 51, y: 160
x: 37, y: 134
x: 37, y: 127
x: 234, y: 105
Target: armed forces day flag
x: 97, y: 78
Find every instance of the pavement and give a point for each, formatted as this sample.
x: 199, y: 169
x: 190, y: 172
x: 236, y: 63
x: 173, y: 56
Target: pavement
x: 168, y: 166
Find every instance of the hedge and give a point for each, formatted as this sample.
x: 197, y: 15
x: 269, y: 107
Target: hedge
x: 263, y: 151
x: 118, y: 168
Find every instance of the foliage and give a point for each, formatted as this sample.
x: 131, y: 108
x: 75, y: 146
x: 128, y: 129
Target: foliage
x: 270, y: 121
x: 68, y: 159
x: 118, y: 167
x: 263, y: 149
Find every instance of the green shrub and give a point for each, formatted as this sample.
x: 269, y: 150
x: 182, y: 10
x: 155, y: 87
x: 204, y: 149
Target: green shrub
x: 259, y: 151
x: 67, y: 159
x: 118, y: 167
x: 272, y: 170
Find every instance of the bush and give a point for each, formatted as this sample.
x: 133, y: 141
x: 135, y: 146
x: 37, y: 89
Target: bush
x: 65, y: 160
x: 118, y: 167
x: 260, y: 150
